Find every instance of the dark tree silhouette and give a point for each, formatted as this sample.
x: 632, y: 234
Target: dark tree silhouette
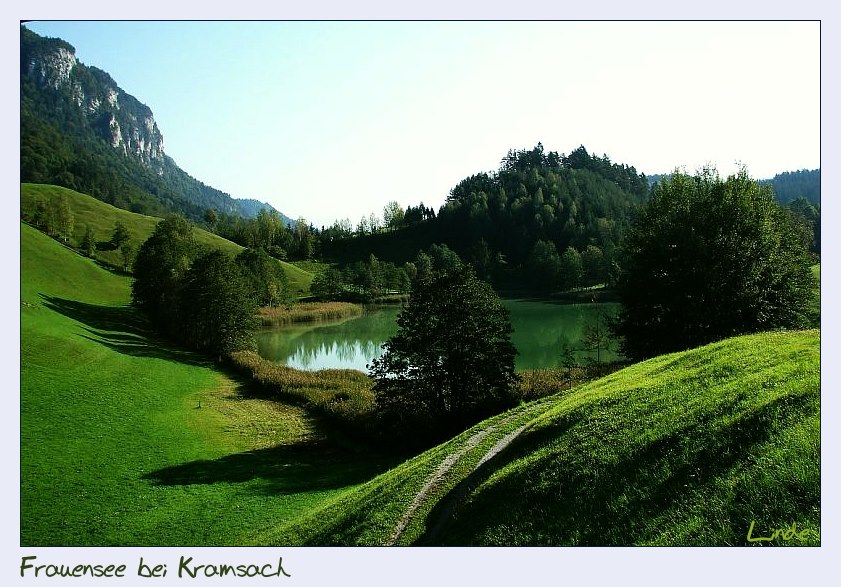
x: 707, y: 259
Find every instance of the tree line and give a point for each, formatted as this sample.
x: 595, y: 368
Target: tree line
x: 705, y: 259
x: 792, y: 185
x: 204, y: 299
x: 54, y: 216
x: 364, y: 281
x: 543, y: 220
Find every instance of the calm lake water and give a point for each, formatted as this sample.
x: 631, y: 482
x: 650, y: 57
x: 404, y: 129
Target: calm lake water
x: 540, y: 328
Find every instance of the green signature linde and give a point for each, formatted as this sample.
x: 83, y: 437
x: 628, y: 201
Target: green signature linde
x: 785, y: 534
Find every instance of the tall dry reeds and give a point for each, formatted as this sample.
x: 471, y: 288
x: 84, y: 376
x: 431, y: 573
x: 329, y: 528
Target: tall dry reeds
x: 343, y: 395
x: 308, y: 312
x: 537, y: 383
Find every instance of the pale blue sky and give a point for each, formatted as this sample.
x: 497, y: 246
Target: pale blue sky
x: 331, y: 120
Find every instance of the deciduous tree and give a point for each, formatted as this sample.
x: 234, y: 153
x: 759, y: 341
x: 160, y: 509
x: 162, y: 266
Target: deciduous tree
x: 119, y: 235
x: 328, y: 285
x: 393, y: 215
x: 88, y: 244
x: 265, y: 277
x: 707, y: 259
x: 451, y: 362
x: 572, y: 269
x: 217, y: 307
x: 161, y: 263
x: 64, y: 219
x: 127, y: 254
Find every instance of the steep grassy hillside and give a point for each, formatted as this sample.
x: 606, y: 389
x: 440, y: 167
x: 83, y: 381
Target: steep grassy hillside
x: 126, y: 441
x: 102, y: 218
x: 684, y: 449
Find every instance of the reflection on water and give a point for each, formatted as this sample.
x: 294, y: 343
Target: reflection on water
x: 338, y: 355
x: 349, y: 344
x: 540, y: 330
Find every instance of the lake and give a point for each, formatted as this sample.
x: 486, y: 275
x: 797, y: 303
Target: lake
x: 540, y: 328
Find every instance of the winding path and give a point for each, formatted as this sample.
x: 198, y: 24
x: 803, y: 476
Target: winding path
x: 440, y: 473
x: 433, y: 482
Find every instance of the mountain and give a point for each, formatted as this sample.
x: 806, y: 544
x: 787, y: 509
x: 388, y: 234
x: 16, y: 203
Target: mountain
x: 80, y: 130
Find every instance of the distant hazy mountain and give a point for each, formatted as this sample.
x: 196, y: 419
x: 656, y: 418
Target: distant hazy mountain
x: 80, y: 130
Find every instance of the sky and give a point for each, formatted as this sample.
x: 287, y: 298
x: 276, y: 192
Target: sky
x: 332, y: 120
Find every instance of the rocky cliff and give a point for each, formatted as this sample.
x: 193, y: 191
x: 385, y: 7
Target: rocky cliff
x: 119, y: 118
x: 79, y: 129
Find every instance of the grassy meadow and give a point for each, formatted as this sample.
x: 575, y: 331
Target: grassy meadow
x: 101, y: 217
x: 128, y: 441
x: 684, y: 449
x: 125, y: 441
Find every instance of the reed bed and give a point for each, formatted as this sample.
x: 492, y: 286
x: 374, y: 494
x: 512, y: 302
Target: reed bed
x: 345, y: 396
x: 537, y: 383
x: 308, y: 312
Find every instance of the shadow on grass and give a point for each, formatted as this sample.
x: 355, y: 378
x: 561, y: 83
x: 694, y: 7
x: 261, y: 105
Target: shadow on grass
x: 330, y: 461
x: 285, y: 469
x: 581, y: 507
x: 120, y: 328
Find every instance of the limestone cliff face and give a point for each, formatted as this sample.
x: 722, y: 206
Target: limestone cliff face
x: 119, y: 118
x: 67, y: 108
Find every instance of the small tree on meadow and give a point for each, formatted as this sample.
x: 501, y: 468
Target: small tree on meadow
x: 211, y: 218
x: 120, y: 235
x: 88, y: 244
x: 127, y: 254
x: 63, y: 217
x: 451, y: 362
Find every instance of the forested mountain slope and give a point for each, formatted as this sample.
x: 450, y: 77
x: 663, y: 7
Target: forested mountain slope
x: 80, y: 130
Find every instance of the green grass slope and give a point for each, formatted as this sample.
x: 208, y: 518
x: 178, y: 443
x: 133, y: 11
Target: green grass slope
x: 115, y: 449
x: 101, y: 217
x: 684, y: 449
